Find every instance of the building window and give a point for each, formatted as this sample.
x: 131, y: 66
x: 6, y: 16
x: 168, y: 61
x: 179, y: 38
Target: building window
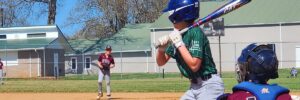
x: 2, y: 36
x: 74, y: 63
x: 9, y: 58
x: 36, y: 35
x: 88, y: 62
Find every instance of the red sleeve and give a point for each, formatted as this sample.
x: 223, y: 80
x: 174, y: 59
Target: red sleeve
x: 100, y: 58
x: 240, y: 95
x: 285, y: 96
x: 112, y: 60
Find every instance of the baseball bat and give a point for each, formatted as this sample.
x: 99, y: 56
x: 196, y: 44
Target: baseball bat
x: 226, y: 8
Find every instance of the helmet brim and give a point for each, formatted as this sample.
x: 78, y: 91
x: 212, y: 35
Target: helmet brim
x: 166, y: 10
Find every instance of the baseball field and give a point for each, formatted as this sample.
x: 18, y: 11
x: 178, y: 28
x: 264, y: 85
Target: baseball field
x: 137, y: 86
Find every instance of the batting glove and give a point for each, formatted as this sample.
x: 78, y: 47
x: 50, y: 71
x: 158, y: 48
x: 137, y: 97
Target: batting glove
x: 163, y: 41
x: 176, y: 38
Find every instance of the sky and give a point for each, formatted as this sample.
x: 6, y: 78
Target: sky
x: 62, y: 16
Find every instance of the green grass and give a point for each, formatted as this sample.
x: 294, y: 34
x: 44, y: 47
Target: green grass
x: 134, y: 82
x: 124, y: 76
x: 131, y: 85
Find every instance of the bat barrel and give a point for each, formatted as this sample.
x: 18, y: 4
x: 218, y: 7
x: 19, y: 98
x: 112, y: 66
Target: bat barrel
x: 232, y: 5
x: 229, y: 7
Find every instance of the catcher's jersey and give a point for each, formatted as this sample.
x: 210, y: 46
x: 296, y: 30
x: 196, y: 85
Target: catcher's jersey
x: 198, y: 45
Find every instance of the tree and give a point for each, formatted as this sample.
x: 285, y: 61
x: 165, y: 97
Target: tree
x: 16, y: 12
x: 103, y: 18
x: 146, y: 10
x: 52, y: 11
x: 1, y: 17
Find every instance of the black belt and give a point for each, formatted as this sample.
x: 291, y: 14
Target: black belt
x: 204, y: 78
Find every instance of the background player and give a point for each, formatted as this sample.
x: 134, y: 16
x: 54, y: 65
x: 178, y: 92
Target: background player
x: 1, y: 73
x: 105, y: 63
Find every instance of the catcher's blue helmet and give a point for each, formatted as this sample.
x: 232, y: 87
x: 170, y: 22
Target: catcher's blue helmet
x: 258, y: 63
x: 182, y: 10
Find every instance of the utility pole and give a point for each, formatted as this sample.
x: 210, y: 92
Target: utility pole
x: 2, y: 17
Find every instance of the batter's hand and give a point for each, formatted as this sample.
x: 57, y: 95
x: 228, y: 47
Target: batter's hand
x: 176, y: 38
x: 163, y: 41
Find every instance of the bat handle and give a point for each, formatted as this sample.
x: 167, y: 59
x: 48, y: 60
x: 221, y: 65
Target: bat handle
x: 165, y: 39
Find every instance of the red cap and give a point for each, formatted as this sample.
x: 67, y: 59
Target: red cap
x: 108, y: 48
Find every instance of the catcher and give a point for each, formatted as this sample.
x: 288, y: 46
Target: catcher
x: 256, y: 65
x: 191, y: 52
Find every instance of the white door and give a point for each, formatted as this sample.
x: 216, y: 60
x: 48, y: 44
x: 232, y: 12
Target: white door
x: 56, y: 73
x: 298, y: 57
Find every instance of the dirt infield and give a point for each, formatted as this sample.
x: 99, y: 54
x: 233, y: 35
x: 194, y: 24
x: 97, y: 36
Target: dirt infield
x: 92, y: 96
x: 89, y: 96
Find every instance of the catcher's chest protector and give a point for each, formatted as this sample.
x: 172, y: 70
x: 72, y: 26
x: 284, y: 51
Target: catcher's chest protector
x: 262, y: 91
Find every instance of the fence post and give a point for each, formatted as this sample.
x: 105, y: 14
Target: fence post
x: 121, y: 54
x: 83, y: 63
x: 163, y: 73
x: 220, y: 56
x: 147, y: 70
x: 30, y: 66
x: 44, y: 54
x: 281, y: 48
x: 235, y: 53
x: 5, y: 62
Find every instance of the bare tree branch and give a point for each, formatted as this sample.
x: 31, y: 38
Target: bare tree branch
x: 17, y: 12
x: 109, y: 16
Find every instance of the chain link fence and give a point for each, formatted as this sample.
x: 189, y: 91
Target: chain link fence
x: 40, y: 61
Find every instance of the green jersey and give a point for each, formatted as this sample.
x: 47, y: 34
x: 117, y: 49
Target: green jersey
x: 198, y: 45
